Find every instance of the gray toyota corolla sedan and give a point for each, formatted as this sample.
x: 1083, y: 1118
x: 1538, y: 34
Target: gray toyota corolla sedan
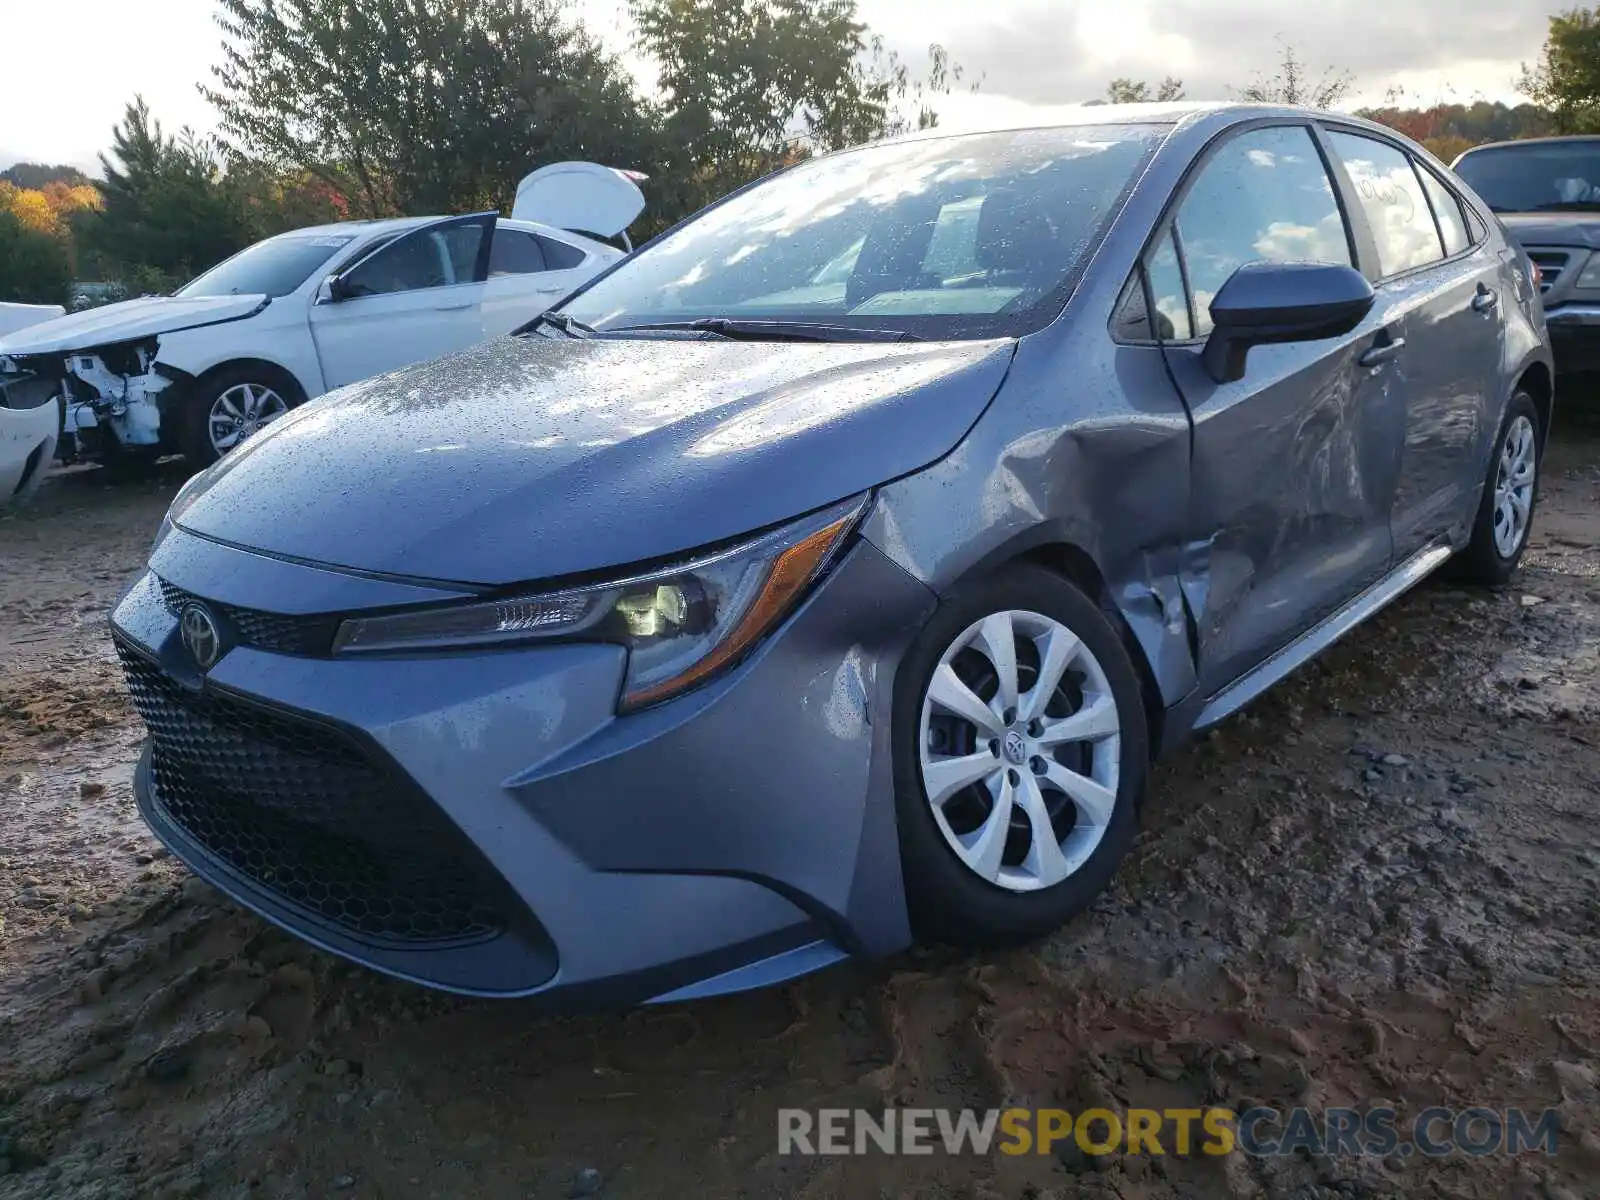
x: 830, y: 572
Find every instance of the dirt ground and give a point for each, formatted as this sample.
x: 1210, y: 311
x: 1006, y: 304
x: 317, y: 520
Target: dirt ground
x: 1380, y: 883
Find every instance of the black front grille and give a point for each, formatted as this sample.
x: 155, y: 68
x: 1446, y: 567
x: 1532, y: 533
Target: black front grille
x: 276, y: 632
x: 306, y: 812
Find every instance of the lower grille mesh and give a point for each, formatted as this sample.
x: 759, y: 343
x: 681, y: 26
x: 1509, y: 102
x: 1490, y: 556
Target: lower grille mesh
x: 302, y: 810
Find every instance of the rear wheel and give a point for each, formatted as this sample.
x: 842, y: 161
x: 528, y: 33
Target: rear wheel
x: 1021, y: 753
x: 1511, y: 491
x: 228, y: 407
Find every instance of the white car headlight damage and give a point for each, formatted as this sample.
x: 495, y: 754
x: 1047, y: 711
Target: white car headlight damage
x: 680, y: 624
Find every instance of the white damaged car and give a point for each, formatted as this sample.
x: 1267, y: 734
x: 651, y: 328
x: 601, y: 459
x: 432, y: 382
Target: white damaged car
x: 30, y: 414
x: 296, y: 315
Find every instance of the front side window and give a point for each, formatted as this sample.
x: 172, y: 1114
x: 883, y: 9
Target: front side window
x: 428, y: 258
x: 1264, y: 196
x: 1391, y: 197
x: 1167, y: 293
x: 960, y: 237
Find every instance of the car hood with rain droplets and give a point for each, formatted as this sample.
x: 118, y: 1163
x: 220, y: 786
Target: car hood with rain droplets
x: 531, y: 458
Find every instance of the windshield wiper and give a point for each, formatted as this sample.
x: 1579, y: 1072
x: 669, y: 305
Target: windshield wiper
x: 1569, y: 206
x: 774, y: 331
x: 570, y: 326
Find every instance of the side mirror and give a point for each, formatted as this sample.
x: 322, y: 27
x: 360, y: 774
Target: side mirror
x: 1265, y: 302
x: 338, y: 288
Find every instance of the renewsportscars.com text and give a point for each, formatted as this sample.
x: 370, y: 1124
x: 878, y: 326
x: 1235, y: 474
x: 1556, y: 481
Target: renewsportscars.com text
x: 1260, y: 1132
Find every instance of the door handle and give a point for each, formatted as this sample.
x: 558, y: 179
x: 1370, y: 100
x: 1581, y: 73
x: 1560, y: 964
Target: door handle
x: 1383, y: 352
x: 455, y: 306
x: 1485, y: 300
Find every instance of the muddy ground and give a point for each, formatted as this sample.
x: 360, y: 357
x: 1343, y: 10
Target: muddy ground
x: 1381, y: 883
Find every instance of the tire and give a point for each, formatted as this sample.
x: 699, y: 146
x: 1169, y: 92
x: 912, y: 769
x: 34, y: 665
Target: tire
x: 960, y: 888
x: 256, y: 395
x: 1489, y: 558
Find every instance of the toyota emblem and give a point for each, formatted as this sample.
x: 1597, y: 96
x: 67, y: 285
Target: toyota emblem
x: 200, y: 636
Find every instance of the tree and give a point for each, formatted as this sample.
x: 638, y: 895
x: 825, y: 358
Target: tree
x: 422, y: 105
x: 165, y: 203
x: 34, y: 266
x: 1129, y: 91
x: 749, y: 85
x: 38, y: 175
x: 1566, y: 78
x: 1293, y: 84
x: 1450, y: 129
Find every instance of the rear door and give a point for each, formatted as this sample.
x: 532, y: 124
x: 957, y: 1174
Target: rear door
x: 528, y: 272
x: 415, y: 298
x: 1438, y: 295
x: 1293, y: 466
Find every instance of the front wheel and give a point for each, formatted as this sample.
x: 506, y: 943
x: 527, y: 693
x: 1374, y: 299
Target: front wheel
x: 1021, y: 750
x: 227, y: 408
x: 1505, y: 514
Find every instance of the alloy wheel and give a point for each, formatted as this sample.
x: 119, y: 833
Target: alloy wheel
x: 1513, y: 488
x: 240, y: 411
x: 1020, y: 746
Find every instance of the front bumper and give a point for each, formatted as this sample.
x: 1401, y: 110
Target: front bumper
x: 1575, y: 337
x: 27, y: 444
x: 483, y: 822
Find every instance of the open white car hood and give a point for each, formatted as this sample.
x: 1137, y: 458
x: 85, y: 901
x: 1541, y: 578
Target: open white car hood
x: 127, y: 321
x: 583, y: 197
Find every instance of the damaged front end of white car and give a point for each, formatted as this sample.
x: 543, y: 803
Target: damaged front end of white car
x: 116, y: 395
x: 110, y: 397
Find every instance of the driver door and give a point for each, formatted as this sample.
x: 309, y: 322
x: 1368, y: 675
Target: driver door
x: 1295, y: 464
x: 412, y: 299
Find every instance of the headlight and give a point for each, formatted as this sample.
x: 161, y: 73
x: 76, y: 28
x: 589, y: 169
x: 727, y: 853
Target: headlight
x: 1589, y: 279
x: 680, y: 624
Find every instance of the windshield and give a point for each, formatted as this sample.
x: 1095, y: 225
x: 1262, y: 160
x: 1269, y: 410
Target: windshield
x: 274, y: 267
x: 956, y: 237
x: 1537, y: 177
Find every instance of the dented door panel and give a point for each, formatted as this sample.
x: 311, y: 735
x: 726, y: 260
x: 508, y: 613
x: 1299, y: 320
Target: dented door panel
x: 1294, y: 475
x: 1092, y: 460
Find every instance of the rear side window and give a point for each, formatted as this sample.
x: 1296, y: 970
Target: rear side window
x: 1452, y: 224
x: 514, y: 253
x: 558, y: 256
x: 1265, y: 195
x: 1391, y: 196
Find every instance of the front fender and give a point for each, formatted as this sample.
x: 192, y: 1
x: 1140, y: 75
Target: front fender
x: 285, y: 344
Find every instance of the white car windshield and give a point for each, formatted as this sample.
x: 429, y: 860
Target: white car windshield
x: 962, y: 236
x: 274, y: 267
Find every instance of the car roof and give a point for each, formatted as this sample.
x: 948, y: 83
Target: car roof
x: 381, y: 225
x: 1538, y: 141
x: 390, y: 225
x: 1095, y: 112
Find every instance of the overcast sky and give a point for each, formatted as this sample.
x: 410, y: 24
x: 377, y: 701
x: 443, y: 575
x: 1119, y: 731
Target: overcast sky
x: 71, y: 64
